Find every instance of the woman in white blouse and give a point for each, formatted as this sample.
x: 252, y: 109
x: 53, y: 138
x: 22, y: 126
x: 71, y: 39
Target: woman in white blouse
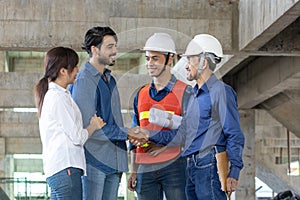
x: 60, y: 124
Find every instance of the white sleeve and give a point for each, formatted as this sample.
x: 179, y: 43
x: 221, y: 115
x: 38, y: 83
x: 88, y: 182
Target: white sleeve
x: 69, y: 119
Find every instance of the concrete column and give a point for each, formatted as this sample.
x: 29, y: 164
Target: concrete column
x: 246, y: 188
x: 2, y: 161
x: 2, y: 156
x: 9, y: 173
x: 2, y: 61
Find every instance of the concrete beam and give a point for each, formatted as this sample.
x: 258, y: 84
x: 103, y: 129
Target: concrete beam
x: 24, y: 138
x: 20, y: 133
x: 266, y: 19
x: 133, y: 37
x: 266, y: 77
x: 230, y: 64
x: 16, y: 89
x: 16, y: 124
x: 66, y: 25
x: 23, y: 145
x: 261, y: 20
x: 287, y: 41
x: 285, y: 107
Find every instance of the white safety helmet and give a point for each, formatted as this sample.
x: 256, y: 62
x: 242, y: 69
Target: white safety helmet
x: 204, y: 43
x: 161, y: 42
x: 193, y: 49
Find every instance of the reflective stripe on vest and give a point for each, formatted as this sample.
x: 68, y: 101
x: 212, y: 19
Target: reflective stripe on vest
x: 172, y: 103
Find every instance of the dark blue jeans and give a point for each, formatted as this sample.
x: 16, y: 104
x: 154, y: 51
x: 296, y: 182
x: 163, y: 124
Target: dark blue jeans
x: 202, y: 178
x: 100, y: 186
x: 66, y: 185
x: 169, y: 179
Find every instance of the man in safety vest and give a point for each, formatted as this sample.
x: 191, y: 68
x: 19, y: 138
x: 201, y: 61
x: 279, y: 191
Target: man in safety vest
x: 158, y: 170
x: 218, y: 139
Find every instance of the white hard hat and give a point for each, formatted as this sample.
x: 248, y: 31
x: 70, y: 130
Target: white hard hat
x: 193, y: 48
x: 204, y: 43
x: 161, y: 42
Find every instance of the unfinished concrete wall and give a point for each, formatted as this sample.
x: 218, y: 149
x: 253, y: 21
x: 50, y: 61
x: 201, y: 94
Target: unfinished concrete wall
x: 39, y: 25
x: 16, y: 89
x: 271, y: 152
x: 20, y: 129
x: 256, y: 16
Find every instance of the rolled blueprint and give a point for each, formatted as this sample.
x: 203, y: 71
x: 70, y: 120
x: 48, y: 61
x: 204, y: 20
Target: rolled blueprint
x: 154, y: 112
x: 164, y: 122
x: 164, y: 119
x: 176, y: 121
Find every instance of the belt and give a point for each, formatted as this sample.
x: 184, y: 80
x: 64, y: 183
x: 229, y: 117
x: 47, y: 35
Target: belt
x: 204, y: 152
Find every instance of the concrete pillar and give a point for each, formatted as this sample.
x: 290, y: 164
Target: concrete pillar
x: 246, y: 188
x: 9, y: 173
x: 2, y: 161
x: 2, y: 61
x: 2, y: 156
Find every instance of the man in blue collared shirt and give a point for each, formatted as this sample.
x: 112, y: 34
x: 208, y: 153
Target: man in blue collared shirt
x: 218, y: 127
x: 95, y: 91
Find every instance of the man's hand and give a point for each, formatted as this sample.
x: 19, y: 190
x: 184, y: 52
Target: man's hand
x: 154, y: 150
x: 138, y: 136
x: 231, y: 184
x: 131, y: 183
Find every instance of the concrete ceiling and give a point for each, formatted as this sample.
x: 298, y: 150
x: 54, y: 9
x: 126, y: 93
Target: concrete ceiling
x: 266, y: 72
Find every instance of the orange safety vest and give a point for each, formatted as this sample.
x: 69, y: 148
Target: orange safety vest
x: 172, y: 103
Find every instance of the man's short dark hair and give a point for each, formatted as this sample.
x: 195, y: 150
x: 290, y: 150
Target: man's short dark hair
x: 94, y: 37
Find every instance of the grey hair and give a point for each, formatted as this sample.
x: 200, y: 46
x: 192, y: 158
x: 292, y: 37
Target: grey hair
x: 213, y: 60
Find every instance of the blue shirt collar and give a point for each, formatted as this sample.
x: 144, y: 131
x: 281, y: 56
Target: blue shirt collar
x: 206, y: 86
x: 95, y: 72
x: 168, y: 87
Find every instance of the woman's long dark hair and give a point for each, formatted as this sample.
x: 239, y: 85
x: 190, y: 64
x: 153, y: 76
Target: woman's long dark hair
x: 55, y: 59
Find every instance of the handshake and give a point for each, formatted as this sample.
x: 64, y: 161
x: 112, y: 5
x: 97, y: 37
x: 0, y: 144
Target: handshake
x: 138, y: 136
